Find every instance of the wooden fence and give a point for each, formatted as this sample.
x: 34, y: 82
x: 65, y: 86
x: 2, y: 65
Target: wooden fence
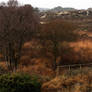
x: 71, y: 68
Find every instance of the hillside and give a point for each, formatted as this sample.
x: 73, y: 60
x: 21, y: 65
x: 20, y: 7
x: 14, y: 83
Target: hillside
x: 56, y: 9
x: 61, y: 9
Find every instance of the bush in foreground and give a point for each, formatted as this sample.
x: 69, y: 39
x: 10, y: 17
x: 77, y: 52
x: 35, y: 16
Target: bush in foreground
x: 19, y: 83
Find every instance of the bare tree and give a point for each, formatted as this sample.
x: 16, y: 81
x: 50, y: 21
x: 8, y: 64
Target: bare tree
x: 17, y: 25
x: 12, y: 3
x: 56, y: 32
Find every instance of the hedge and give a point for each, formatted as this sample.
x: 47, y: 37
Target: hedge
x: 19, y: 83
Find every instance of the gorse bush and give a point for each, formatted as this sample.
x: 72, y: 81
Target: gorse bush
x: 19, y: 83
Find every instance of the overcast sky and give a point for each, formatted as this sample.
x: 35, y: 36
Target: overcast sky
x: 78, y: 4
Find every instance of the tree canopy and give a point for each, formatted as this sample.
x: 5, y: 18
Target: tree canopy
x: 17, y: 25
x: 55, y: 32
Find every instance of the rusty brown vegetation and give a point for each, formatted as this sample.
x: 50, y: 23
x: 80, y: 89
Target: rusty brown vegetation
x: 70, y: 84
x: 28, y: 46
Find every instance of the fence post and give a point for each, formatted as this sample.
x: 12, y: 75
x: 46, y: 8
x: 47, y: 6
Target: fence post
x: 70, y: 70
x: 81, y: 69
x: 57, y: 71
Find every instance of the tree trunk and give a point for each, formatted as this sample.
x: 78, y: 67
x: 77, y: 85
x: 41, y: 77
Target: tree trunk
x: 55, y: 52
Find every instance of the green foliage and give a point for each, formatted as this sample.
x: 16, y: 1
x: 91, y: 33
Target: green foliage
x: 3, y: 70
x: 19, y: 83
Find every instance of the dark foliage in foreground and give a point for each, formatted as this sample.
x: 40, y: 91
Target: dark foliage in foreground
x: 19, y: 83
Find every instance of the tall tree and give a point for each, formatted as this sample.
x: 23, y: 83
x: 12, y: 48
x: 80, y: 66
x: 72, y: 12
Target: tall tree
x: 56, y: 32
x: 17, y: 25
x: 12, y: 3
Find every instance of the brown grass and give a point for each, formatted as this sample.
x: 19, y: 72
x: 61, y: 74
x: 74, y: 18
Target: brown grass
x: 76, y: 83
x: 82, y: 44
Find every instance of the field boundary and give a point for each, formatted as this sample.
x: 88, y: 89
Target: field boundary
x: 72, y: 66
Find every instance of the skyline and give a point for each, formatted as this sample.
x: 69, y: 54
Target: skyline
x: 77, y: 4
